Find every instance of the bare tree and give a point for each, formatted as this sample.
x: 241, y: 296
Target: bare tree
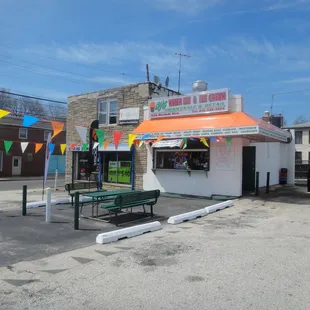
x: 301, y: 119
x: 31, y: 107
x: 56, y: 112
x: 7, y: 101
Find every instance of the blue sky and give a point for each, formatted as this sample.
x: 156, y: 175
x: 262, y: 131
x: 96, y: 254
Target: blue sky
x: 57, y: 48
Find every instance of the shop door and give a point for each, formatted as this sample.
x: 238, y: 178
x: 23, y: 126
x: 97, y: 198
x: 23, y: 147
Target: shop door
x: 248, y: 168
x: 16, y: 165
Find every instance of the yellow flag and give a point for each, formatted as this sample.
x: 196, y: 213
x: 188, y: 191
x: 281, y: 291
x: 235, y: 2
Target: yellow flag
x: 63, y: 148
x: 204, y: 141
x: 131, y: 138
x: 3, y: 113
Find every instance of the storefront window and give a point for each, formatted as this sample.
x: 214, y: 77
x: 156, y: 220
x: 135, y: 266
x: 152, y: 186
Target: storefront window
x: 117, y: 167
x: 197, y: 157
x: 82, y: 168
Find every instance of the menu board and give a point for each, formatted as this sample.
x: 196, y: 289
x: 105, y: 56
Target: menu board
x: 225, y: 158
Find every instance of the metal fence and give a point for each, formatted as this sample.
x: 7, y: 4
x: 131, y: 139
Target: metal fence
x: 301, y: 171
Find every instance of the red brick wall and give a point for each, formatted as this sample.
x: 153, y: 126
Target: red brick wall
x: 34, y: 167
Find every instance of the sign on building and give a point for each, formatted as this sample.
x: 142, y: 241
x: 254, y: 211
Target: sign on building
x: 129, y: 116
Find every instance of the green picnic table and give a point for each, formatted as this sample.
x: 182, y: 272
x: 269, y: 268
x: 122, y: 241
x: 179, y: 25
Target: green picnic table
x: 98, y: 197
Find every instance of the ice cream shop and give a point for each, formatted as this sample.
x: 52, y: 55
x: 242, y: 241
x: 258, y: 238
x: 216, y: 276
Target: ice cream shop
x: 204, y: 144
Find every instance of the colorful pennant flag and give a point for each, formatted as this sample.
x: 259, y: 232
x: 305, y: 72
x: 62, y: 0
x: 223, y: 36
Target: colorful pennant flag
x: 51, y: 148
x: 141, y: 143
x: 117, y: 137
x: 160, y: 138
x: 24, y: 145
x: 29, y: 120
x: 82, y: 131
x: 7, y: 145
x: 106, y: 144
x: 204, y: 141
x: 72, y: 146
x: 84, y: 147
x: 136, y: 142
x: 100, y: 134
x: 184, y: 143
x: 38, y: 147
x: 63, y: 148
x: 131, y: 139
x: 95, y: 145
x: 146, y: 136
x: 229, y: 140
x: 4, y: 113
x: 57, y: 128
x: 213, y: 139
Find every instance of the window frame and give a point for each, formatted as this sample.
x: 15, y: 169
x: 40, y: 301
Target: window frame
x: 164, y: 150
x: 298, y: 161
x: 108, y: 111
x: 297, y: 141
x: 1, y: 161
x: 104, y: 165
x: 19, y: 135
x: 48, y: 131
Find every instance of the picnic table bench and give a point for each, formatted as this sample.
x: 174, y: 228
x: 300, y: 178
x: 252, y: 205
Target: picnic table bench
x: 82, y: 188
x: 131, y: 200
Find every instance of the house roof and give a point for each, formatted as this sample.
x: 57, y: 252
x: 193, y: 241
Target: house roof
x: 302, y: 125
x: 18, y: 121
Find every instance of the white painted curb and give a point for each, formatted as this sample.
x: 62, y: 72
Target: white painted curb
x: 58, y: 201
x: 113, y: 236
x: 177, y: 219
x: 219, y: 206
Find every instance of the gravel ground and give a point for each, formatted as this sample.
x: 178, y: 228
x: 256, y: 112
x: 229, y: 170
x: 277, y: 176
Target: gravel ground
x: 255, y: 255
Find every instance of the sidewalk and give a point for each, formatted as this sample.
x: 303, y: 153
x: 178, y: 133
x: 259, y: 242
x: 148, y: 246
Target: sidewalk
x: 21, y: 178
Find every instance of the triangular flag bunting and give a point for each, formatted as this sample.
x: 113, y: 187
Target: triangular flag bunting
x: 229, y: 140
x: 63, y: 148
x: 131, y: 139
x: 106, y: 144
x: 4, y: 113
x: 84, y: 147
x: 160, y: 138
x: 82, y: 131
x: 24, y: 145
x: 29, y: 120
x: 51, y: 148
x: 57, y: 128
x: 184, y: 143
x: 7, y: 145
x: 100, y: 134
x: 95, y: 145
x: 141, y: 143
x: 117, y: 137
x: 136, y: 142
x: 204, y: 141
x: 146, y: 136
x: 72, y: 146
x: 38, y: 147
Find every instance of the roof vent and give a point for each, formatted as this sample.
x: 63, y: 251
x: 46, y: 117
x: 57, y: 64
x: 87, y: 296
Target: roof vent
x: 200, y: 86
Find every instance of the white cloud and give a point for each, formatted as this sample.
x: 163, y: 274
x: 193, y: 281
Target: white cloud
x: 185, y: 6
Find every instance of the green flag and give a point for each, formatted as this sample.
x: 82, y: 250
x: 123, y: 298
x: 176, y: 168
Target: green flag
x: 185, y: 143
x: 100, y: 134
x: 84, y: 147
x: 228, y: 141
x: 7, y: 145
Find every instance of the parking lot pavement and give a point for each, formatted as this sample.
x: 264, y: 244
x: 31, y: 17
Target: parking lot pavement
x: 254, y: 255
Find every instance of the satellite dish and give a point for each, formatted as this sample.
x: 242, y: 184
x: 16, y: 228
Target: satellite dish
x: 167, y: 81
x: 156, y: 79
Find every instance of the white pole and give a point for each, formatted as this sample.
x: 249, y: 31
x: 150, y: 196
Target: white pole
x: 48, y: 209
x: 56, y: 177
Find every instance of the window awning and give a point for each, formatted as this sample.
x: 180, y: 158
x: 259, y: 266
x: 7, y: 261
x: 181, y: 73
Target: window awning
x: 228, y: 124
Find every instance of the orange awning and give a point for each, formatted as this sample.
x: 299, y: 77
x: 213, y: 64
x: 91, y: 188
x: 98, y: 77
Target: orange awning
x: 228, y: 124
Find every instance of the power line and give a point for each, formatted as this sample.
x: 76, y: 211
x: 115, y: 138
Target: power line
x: 180, y: 64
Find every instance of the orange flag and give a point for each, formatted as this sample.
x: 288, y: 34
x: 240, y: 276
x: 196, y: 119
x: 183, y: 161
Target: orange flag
x: 106, y: 144
x: 57, y: 128
x: 160, y: 138
x: 38, y: 147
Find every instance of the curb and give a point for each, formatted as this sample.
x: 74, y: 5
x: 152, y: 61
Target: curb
x: 219, y: 206
x: 177, y: 219
x: 113, y: 236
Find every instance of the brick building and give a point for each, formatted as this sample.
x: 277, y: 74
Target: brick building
x: 29, y: 163
x: 117, y: 109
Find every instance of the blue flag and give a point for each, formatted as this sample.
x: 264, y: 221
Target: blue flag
x: 29, y: 120
x: 51, y: 148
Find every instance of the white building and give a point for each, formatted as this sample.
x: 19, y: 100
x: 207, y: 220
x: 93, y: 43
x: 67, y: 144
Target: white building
x: 204, y: 144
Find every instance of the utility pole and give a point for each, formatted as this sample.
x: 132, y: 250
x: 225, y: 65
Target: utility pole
x: 180, y: 67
